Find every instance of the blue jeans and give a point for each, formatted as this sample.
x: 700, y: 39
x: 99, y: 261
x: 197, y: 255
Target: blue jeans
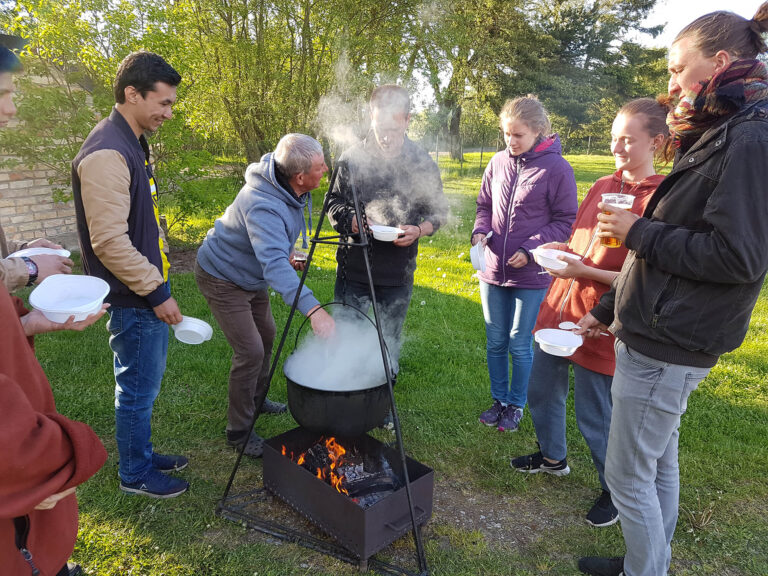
x: 649, y: 397
x: 547, y: 393
x: 139, y: 340
x: 391, y: 304
x: 509, y: 314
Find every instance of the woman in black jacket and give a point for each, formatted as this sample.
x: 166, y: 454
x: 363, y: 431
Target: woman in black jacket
x: 696, y: 264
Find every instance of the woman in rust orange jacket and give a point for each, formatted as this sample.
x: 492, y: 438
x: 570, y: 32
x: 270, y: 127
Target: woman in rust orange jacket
x: 637, y: 134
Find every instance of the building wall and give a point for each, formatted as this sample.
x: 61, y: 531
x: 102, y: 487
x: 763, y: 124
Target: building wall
x: 27, y: 209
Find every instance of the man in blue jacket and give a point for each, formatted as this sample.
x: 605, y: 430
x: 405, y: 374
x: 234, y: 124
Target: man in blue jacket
x: 121, y: 241
x: 249, y: 249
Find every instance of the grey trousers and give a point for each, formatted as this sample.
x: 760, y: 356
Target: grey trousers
x: 649, y: 397
x: 245, y: 318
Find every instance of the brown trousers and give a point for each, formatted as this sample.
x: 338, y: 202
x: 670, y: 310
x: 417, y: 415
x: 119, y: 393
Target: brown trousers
x: 246, y: 319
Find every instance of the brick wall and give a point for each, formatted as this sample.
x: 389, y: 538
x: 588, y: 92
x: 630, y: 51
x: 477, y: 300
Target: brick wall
x: 27, y: 209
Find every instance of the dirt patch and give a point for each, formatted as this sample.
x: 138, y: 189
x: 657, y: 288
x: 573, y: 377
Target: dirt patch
x: 182, y: 259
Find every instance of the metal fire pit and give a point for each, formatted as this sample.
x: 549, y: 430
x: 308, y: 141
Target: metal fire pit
x: 362, y: 531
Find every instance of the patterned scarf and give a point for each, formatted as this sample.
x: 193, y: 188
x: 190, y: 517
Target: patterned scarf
x: 724, y: 94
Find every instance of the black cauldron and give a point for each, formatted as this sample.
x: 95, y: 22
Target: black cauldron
x: 345, y: 412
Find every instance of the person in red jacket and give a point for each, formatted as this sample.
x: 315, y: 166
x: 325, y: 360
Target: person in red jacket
x: 638, y: 133
x: 43, y: 455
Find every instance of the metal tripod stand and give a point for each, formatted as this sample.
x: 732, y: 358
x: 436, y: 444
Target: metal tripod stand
x: 232, y: 506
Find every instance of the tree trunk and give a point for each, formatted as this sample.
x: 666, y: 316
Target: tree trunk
x: 454, y: 133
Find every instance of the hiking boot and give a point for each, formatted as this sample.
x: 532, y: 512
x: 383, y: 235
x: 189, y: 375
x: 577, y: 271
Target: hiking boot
x: 491, y: 416
x: 168, y: 462
x: 510, y: 419
x: 597, y: 566
x: 271, y: 407
x: 254, y: 447
x: 534, y: 463
x: 603, y: 512
x: 156, y: 485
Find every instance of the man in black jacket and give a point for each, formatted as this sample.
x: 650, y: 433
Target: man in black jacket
x: 397, y: 184
x: 696, y: 264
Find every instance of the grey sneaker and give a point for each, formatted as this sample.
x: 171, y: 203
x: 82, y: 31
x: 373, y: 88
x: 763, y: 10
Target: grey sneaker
x: 603, y: 513
x: 491, y: 416
x: 272, y: 407
x: 510, y: 419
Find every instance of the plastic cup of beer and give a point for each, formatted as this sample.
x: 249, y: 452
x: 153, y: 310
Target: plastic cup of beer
x: 623, y: 201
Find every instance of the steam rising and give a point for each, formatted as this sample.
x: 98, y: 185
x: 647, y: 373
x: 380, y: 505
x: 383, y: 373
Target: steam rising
x: 341, y: 114
x: 350, y: 360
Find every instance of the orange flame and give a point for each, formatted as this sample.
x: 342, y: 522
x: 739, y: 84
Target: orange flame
x: 335, y: 453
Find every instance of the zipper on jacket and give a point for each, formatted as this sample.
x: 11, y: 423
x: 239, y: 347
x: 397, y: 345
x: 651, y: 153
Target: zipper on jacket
x: 506, y: 232
x: 21, y: 524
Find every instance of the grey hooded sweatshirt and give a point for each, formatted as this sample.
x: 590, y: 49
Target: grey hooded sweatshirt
x: 250, y: 244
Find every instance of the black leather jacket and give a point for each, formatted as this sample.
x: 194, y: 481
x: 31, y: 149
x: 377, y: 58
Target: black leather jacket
x: 699, y: 254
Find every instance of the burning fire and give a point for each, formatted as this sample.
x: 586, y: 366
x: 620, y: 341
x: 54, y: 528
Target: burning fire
x: 327, y: 473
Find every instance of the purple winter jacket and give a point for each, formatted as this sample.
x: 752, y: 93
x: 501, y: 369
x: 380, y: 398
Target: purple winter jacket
x: 527, y: 200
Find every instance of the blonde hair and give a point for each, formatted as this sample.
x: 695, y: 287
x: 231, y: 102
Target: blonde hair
x: 529, y: 111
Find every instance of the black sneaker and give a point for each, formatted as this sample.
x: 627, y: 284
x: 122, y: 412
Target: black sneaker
x: 271, y: 407
x: 603, y: 512
x: 597, y: 566
x: 533, y: 463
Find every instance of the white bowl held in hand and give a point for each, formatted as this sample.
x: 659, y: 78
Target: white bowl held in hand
x: 63, y: 295
x: 558, y: 342
x: 548, y: 258
x: 386, y: 233
x: 477, y: 255
x: 29, y: 252
x: 192, y: 331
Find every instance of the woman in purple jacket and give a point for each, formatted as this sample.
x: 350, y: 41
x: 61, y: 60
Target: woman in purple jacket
x: 527, y: 198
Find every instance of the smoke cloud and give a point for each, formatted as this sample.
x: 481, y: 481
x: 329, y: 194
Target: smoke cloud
x: 350, y: 360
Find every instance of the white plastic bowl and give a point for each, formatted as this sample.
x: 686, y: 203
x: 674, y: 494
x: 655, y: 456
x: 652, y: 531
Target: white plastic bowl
x: 63, y: 295
x: 192, y: 330
x: 477, y: 255
x: 548, y: 258
x: 29, y: 252
x: 558, y: 342
x: 385, y: 233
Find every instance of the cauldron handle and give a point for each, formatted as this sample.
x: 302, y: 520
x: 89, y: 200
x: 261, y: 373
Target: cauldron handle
x: 355, y: 308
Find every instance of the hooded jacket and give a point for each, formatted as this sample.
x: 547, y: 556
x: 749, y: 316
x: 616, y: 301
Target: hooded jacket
x: 569, y: 299
x: 698, y: 255
x: 42, y: 453
x: 251, y: 243
x: 526, y: 200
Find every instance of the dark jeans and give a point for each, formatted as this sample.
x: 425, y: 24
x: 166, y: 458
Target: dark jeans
x: 392, y: 305
x: 245, y: 317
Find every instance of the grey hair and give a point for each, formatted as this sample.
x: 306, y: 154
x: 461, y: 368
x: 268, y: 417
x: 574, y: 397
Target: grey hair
x: 295, y: 152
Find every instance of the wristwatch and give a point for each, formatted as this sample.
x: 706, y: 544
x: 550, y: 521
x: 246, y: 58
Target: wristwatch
x: 32, y: 269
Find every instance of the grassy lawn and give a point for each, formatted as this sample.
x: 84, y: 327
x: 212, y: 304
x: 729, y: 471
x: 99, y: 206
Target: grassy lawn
x: 488, y: 519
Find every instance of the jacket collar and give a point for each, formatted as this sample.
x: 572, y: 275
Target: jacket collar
x: 139, y: 144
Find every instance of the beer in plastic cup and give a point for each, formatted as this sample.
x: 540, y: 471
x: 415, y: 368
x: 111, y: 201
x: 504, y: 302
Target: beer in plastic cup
x: 623, y: 201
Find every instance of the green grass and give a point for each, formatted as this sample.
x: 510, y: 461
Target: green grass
x: 442, y: 388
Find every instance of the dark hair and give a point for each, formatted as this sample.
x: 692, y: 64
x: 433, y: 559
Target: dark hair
x: 723, y: 30
x: 9, y: 62
x: 392, y: 98
x: 142, y: 70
